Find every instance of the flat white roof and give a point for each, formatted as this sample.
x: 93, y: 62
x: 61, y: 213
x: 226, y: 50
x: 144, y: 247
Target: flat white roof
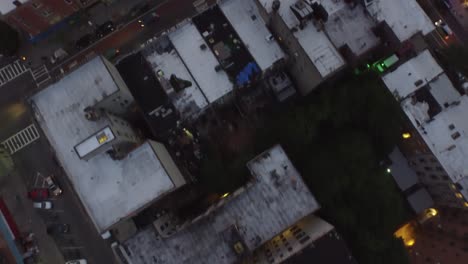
x: 98, y: 139
x: 7, y: 5
x: 402, y: 173
x: 439, y: 114
x: 412, y: 74
x: 109, y: 189
x: 420, y: 200
x: 190, y: 101
x: 250, y: 26
x: 405, y: 17
x: 316, y: 44
x: 275, y: 199
x: 201, y: 63
x: 350, y: 26
x: 320, y: 50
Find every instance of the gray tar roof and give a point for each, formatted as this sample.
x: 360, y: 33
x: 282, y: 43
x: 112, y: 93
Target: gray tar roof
x: 109, y: 189
x: 350, y: 26
x: 275, y: 199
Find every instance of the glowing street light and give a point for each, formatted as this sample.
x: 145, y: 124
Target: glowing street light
x: 406, y: 135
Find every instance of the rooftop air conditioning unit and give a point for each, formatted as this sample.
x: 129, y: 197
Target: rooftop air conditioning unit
x: 276, y: 5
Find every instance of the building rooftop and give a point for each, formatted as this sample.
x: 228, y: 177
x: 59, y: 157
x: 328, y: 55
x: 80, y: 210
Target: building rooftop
x: 93, y: 142
x: 8, y: 5
x: 350, y: 26
x: 315, y: 43
x: 148, y: 93
x: 251, y: 28
x: 275, y: 199
x: 413, y: 75
x: 436, y: 110
x: 224, y: 41
x: 402, y: 173
x: 200, y: 62
x: 109, y: 189
x: 404, y: 17
x: 190, y: 101
x: 420, y: 200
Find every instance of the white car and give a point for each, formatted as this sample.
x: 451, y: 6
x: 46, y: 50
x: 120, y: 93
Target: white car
x: 43, y: 205
x: 77, y: 261
x: 445, y: 30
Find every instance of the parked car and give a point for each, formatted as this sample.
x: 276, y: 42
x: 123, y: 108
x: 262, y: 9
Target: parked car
x: 58, y: 229
x: 38, y: 194
x: 59, y: 54
x: 105, y: 29
x: 444, y: 29
x: 47, y: 205
x: 77, y: 261
x: 148, y: 19
x: 53, y: 187
x: 84, y: 41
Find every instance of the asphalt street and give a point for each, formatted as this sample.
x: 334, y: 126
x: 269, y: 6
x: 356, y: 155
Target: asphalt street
x: 436, y: 12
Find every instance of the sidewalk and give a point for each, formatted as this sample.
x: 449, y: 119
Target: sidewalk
x: 14, y: 192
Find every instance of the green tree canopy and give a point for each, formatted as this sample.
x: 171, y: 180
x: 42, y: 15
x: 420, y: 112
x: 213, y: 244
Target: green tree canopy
x: 456, y: 56
x: 10, y: 39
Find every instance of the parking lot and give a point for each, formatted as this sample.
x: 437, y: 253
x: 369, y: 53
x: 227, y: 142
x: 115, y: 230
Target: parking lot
x: 34, y: 164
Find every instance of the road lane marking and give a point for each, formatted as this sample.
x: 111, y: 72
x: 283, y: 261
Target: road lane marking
x: 11, y: 71
x: 21, y: 139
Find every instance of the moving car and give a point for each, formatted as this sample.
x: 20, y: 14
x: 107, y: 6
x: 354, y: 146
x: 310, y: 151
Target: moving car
x: 105, y: 29
x: 53, y: 187
x: 47, y: 205
x: 38, y: 194
x: 148, y: 19
x: 58, y: 229
x: 77, y: 261
x: 443, y: 28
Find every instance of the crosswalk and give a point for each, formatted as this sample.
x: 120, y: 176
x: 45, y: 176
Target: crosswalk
x: 11, y: 71
x: 21, y: 139
x: 40, y: 75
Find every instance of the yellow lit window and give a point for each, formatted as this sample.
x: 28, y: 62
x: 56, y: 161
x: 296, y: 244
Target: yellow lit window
x: 102, y: 138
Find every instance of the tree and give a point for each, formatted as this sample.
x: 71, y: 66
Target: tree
x: 10, y: 39
x: 336, y: 139
x: 219, y: 176
x: 456, y: 56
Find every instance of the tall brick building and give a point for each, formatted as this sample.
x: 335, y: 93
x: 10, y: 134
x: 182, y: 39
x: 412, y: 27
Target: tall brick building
x: 442, y: 239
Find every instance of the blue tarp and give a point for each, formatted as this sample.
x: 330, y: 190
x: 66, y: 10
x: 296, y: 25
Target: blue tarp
x: 247, y: 73
x: 52, y: 29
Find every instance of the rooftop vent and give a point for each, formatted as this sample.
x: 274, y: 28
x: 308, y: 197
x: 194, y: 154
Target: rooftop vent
x: 91, y: 114
x: 218, y: 68
x: 203, y: 46
x: 276, y: 5
x: 418, y: 83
